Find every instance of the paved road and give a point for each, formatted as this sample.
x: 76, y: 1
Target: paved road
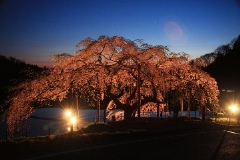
x: 187, y: 145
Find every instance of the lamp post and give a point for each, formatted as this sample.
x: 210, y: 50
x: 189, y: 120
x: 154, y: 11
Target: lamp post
x: 70, y: 119
x: 77, y: 107
x: 73, y: 121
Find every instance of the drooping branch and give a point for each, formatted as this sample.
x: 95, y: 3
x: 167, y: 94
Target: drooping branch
x: 109, y: 65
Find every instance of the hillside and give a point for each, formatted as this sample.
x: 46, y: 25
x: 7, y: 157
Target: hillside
x: 13, y: 72
x: 226, y: 70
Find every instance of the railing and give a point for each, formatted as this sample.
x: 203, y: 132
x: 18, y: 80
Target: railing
x: 226, y: 119
x: 195, y: 114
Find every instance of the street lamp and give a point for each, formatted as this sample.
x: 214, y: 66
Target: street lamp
x: 71, y: 119
x: 233, y: 109
x: 68, y: 113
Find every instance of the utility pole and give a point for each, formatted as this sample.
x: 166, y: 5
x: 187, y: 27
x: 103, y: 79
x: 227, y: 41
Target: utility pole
x: 138, y: 90
x: 181, y: 105
x: 77, y: 110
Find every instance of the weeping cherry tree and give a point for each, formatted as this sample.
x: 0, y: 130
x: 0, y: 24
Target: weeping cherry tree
x: 130, y: 75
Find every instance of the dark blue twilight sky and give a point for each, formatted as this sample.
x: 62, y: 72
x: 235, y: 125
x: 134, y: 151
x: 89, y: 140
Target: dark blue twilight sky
x: 33, y: 30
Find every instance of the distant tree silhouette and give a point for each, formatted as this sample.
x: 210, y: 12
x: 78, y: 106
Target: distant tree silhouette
x: 236, y: 45
x: 223, y: 50
x: 226, y: 69
x: 209, y: 58
x: 12, y: 72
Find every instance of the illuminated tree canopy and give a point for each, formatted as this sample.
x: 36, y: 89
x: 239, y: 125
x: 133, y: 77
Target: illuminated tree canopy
x: 111, y: 66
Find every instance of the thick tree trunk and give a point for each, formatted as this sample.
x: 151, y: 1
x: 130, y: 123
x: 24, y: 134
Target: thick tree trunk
x: 129, y: 113
x: 175, y: 111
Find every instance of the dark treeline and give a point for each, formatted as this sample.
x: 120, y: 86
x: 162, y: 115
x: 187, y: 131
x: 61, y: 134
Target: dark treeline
x: 12, y: 73
x: 224, y: 66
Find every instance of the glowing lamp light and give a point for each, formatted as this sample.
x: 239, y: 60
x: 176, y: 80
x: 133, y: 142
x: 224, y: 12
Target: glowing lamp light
x: 73, y: 120
x: 233, y: 108
x: 68, y: 113
x: 70, y: 119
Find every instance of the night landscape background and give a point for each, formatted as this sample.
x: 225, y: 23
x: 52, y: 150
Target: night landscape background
x: 32, y: 32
